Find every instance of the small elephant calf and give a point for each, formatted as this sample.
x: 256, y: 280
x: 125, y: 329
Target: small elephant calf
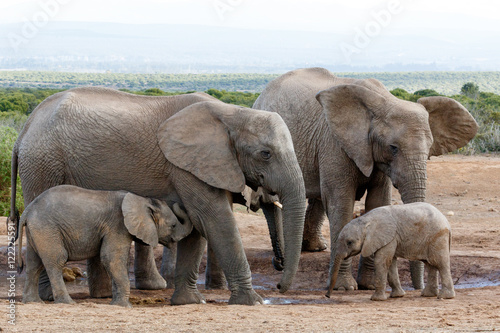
x: 71, y: 223
x: 416, y: 231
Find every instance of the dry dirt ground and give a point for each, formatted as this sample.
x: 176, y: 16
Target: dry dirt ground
x: 465, y: 188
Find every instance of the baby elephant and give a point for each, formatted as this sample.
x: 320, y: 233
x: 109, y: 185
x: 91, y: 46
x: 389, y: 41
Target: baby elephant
x: 71, y: 223
x: 416, y: 231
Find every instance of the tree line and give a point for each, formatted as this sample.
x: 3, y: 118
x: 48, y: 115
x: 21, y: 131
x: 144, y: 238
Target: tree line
x: 448, y: 83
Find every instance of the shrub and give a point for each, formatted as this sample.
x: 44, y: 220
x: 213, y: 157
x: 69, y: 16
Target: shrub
x: 8, y: 137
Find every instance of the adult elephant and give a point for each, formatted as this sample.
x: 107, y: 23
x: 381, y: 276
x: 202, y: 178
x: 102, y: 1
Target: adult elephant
x: 188, y: 149
x: 353, y: 136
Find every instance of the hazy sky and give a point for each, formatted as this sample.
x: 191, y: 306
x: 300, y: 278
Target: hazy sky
x: 311, y: 15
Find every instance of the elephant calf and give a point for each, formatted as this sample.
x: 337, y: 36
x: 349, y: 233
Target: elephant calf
x: 416, y: 231
x: 71, y: 223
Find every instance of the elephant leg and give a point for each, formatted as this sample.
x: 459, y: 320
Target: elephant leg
x: 393, y: 278
x: 214, y: 276
x: 59, y: 290
x: 383, y: 260
x: 211, y: 214
x: 34, y: 268
x: 189, y: 253
x: 98, y: 278
x: 339, y: 212
x: 274, y: 220
x: 146, y: 273
x: 167, y: 269
x: 366, y: 273
x: 417, y: 274
x: 115, y: 261
x: 44, y: 287
x: 432, y: 287
x: 313, y: 239
x: 447, y: 290
x: 53, y: 259
x: 379, y: 194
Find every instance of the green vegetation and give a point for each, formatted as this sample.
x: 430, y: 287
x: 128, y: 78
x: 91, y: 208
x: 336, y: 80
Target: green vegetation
x: 447, y: 83
x: 8, y: 136
x: 484, y: 107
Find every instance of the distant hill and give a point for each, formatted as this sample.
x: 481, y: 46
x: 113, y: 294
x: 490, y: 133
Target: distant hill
x: 448, y: 83
x: 128, y: 48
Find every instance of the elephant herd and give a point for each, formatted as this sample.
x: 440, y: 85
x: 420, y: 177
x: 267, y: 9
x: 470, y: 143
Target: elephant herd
x: 315, y: 141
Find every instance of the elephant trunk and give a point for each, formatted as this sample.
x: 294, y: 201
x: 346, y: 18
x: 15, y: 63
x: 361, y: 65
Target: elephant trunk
x: 335, y: 273
x: 413, y: 190
x: 413, y: 185
x: 293, y: 199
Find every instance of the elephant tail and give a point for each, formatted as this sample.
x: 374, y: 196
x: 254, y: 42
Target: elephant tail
x: 20, y: 262
x: 14, y: 213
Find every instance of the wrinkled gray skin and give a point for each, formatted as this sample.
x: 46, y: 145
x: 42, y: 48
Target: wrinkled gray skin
x: 416, y: 231
x: 70, y: 223
x: 189, y: 149
x: 256, y: 200
x: 353, y: 136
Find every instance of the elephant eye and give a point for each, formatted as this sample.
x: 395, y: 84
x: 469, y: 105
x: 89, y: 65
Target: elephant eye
x: 394, y: 150
x: 349, y: 243
x: 266, y: 154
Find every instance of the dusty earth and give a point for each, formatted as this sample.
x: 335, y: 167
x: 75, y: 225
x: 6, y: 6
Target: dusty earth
x: 467, y: 189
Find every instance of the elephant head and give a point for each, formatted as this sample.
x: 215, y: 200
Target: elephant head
x: 228, y: 147
x: 153, y: 222
x: 376, y: 129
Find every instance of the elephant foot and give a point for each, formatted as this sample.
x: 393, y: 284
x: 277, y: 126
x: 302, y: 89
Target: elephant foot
x: 379, y: 296
x: 429, y: 291
x: 395, y: 293
x: 314, y: 243
x: 446, y: 293
x: 32, y: 299
x: 245, y: 297
x: 346, y: 282
x: 183, y: 296
x: 121, y: 302
x: 366, y: 278
x: 64, y: 300
x: 151, y: 283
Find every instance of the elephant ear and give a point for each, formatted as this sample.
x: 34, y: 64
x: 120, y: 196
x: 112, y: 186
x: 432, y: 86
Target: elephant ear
x: 197, y: 140
x: 452, y: 126
x: 138, y: 215
x: 349, y: 110
x: 379, y: 233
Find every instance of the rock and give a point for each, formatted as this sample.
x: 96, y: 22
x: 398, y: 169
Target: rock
x: 68, y: 274
x: 77, y: 272
x: 450, y: 213
x: 493, y: 210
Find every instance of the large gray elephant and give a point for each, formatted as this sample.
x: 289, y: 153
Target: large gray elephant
x: 353, y: 136
x: 187, y: 149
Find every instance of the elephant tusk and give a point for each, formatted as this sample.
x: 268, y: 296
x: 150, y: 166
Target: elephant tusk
x: 278, y: 204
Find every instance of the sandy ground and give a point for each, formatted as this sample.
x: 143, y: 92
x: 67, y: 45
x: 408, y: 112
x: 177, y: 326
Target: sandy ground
x: 465, y: 188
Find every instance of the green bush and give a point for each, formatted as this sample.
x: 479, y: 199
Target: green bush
x: 8, y: 137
